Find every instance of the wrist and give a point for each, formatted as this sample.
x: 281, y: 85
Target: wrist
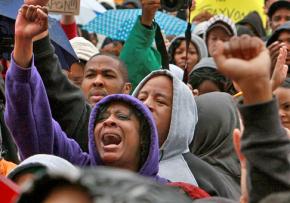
x: 258, y: 92
x: 147, y: 18
x: 22, y: 51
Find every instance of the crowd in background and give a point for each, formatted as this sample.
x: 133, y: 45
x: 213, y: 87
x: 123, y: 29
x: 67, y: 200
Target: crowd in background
x: 119, y: 126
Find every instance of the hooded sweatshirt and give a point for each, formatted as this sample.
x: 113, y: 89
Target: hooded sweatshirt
x: 37, y: 132
x: 197, y: 42
x: 51, y: 164
x: 183, y: 121
x: 105, y: 185
x: 276, y: 33
x: 220, y: 21
x: 254, y: 20
x: 213, y: 143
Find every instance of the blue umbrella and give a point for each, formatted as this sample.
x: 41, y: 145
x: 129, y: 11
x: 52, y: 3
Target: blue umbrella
x: 67, y: 56
x: 117, y: 24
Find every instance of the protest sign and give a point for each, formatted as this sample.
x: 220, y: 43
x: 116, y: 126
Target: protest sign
x: 67, y: 7
x: 234, y: 9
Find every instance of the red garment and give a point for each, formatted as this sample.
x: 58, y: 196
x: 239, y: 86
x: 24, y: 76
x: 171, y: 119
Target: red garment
x: 5, y: 65
x: 9, y: 191
x: 192, y: 191
x: 70, y: 30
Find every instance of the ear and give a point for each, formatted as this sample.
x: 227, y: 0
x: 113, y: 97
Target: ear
x: 237, y: 144
x: 127, y: 88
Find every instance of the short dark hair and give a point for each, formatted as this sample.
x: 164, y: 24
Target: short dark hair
x: 122, y: 66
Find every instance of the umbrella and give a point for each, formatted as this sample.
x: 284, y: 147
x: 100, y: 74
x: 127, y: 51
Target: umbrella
x: 117, y: 24
x: 9, y: 8
x: 88, y: 10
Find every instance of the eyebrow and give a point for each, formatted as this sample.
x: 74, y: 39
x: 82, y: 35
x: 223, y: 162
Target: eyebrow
x: 285, y: 103
x: 107, y: 70
x: 162, y: 95
x: 103, y: 70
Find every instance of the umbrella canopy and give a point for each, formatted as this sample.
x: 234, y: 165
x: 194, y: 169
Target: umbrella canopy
x: 117, y: 24
x: 9, y: 8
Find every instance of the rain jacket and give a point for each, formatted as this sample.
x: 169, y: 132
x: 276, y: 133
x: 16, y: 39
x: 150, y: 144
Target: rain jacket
x: 37, y: 132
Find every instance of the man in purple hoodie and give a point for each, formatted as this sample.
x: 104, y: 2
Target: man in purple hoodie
x: 122, y: 132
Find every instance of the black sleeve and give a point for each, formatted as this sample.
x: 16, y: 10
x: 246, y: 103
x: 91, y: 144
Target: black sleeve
x: 67, y: 102
x: 266, y: 147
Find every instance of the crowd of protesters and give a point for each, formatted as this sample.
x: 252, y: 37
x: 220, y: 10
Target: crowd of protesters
x: 117, y: 126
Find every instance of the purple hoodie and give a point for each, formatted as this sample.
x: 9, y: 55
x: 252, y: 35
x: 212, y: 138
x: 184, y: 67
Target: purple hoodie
x: 29, y: 119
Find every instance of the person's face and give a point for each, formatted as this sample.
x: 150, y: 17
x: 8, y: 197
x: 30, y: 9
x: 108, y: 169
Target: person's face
x: 157, y: 95
x: 207, y: 86
x: 103, y: 77
x: 117, y: 137
x: 93, y: 38
x: 283, y: 95
x: 214, y: 35
x: 112, y: 48
x: 76, y: 73
x: 285, y: 38
x: 67, y: 195
x: 280, y: 17
x: 180, y: 56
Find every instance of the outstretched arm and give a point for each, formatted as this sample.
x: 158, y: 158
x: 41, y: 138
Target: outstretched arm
x: 139, y: 45
x: 27, y: 109
x: 264, y: 144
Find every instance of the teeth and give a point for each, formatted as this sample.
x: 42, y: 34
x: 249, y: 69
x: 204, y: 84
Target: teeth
x: 109, y: 139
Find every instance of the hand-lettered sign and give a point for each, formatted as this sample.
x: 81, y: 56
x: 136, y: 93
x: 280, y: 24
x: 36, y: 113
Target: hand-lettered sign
x: 68, y: 7
x: 234, y: 9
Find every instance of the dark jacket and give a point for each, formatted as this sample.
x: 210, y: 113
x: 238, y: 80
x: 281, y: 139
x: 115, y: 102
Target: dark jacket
x: 37, y: 132
x: 8, y: 148
x: 68, y: 105
x: 255, y: 22
x: 212, y: 142
x: 266, y: 147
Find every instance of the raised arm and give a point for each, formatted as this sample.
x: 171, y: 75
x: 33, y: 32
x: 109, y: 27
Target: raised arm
x: 27, y: 112
x: 68, y: 106
x: 139, y: 45
x: 264, y: 143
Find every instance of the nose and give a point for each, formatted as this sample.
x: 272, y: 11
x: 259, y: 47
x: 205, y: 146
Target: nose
x: 110, y: 122
x: 98, y: 81
x: 149, y: 103
x: 183, y: 55
x: 282, y: 114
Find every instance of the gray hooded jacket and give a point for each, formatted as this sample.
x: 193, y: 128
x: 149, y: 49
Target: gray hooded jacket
x: 182, y: 126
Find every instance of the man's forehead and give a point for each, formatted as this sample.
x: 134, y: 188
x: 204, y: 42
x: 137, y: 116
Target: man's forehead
x: 280, y: 10
x: 103, y: 62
